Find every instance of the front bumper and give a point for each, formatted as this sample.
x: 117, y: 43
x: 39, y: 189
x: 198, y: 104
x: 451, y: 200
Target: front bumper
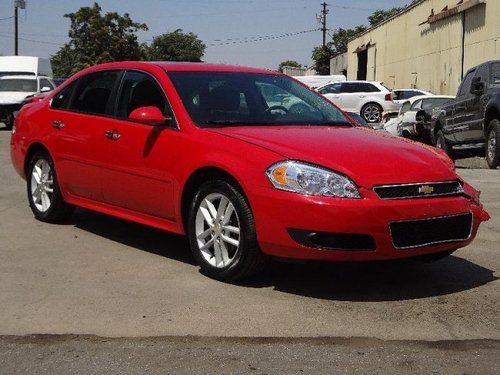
x: 277, y: 211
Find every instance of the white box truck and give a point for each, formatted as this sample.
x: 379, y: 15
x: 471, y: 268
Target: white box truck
x: 21, y: 76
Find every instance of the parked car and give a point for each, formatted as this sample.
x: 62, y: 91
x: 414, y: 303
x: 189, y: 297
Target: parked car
x: 470, y: 124
x: 399, y: 96
x: 369, y: 99
x: 415, y: 123
x: 198, y: 149
x: 359, y: 120
x: 314, y: 81
x: 21, y: 76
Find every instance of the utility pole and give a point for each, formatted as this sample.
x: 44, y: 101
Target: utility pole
x: 18, y: 4
x: 322, y: 20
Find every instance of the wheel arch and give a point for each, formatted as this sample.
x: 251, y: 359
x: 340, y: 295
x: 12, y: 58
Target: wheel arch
x: 32, y: 149
x: 491, y: 114
x: 196, y: 179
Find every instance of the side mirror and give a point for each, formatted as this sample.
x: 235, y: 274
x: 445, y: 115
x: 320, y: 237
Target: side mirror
x: 45, y: 89
x: 477, y: 87
x: 149, y: 116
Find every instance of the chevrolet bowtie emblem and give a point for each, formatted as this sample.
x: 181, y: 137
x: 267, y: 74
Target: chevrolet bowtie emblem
x: 425, y: 189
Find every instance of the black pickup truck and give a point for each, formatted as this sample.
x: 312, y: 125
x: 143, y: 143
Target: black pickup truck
x: 470, y: 124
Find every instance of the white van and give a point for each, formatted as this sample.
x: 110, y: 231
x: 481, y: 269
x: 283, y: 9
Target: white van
x: 21, y: 76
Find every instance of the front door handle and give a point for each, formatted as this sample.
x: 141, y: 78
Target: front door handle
x: 461, y: 108
x: 58, y: 124
x: 112, y: 134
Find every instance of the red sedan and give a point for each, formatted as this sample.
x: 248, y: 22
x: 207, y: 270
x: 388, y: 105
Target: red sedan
x: 249, y: 163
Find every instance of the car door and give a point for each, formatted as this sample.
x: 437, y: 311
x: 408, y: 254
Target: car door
x: 350, y: 96
x: 141, y: 156
x: 462, y: 109
x: 332, y: 93
x: 79, y: 116
x: 476, y: 106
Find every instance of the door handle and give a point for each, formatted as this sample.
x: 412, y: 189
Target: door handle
x: 112, y: 134
x: 460, y: 108
x: 58, y: 124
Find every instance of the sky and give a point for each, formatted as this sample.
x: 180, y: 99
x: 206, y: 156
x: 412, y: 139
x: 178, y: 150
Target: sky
x: 43, y: 27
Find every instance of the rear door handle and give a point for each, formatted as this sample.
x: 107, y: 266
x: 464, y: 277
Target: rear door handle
x: 58, y: 124
x: 112, y: 134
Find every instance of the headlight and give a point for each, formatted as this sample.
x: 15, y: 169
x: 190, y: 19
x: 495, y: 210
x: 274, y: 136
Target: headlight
x: 308, y: 179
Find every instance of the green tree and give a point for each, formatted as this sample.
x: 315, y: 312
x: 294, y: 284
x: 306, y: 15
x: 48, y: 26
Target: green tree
x: 97, y: 38
x: 175, y: 46
x: 341, y: 38
x: 381, y: 15
x: 291, y: 63
x: 321, y: 57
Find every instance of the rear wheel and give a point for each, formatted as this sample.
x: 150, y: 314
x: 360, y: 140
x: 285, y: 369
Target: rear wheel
x: 222, y: 234
x: 44, y: 195
x: 443, y: 145
x: 372, y: 113
x: 492, y: 139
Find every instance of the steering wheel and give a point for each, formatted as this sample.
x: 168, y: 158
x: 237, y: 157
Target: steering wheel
x: 274, y: 108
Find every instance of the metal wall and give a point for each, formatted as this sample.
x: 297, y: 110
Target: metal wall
x: 404, y: 54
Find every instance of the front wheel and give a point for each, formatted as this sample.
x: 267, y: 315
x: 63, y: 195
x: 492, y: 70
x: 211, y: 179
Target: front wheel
x: 222, y: 234
x: 492, y: 139
x: 44, y: 195
x: 372, y: 113
x: 443, y: 145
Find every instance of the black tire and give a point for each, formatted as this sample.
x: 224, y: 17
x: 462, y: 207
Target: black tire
x: 247, y: 260
x: 9, y: 121
x: 372, y: 113
x: 443, y: 145
x: 492, y: 148
x: 58, y: 210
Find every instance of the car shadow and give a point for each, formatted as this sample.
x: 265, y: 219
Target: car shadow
x: 360, y: 282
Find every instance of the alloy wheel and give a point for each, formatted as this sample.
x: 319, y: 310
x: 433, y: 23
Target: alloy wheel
x: 492, y: 144
x: 42, y: 185
x: 371, y: 113
x: 217, y: 229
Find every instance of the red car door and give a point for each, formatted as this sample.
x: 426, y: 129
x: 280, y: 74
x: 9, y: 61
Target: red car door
x: 79, y: 133
x: 140, y: 155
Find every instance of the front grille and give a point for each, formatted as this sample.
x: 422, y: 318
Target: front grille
x: 417, y: 233
x: 421, y: 190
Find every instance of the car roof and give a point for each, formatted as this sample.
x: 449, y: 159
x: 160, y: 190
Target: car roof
x: 415, y: 98
x: 184, y: 67
x: 33, y: 77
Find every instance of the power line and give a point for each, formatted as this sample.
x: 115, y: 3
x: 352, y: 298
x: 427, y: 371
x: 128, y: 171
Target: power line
x: 32, y: 40
x: 262, y: 38
x: 6, y: 18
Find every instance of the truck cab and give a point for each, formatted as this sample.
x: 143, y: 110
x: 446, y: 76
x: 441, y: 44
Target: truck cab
x: 20, y: 77
x: 467, y: 126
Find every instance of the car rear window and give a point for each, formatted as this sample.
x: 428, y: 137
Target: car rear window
x: 495, y: 74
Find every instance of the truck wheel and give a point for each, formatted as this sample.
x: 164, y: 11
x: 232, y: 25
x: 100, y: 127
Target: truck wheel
x: 443, y: 145
x: 492, y: 139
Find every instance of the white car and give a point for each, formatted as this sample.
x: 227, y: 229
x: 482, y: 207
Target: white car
x: 399, y: 96
x: 407, y: 112
x: 369, y: 99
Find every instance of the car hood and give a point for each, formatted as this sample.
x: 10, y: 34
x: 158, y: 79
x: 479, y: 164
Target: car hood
x: 368, y: 157
x: 13, y: 97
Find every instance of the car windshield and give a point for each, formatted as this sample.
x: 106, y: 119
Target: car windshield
x: 436, y: 102
x: 215, y: 99
x: 20, y: 85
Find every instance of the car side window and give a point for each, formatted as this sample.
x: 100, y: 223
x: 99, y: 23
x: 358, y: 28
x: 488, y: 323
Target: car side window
x: 139, y: 89
x: 495, y: 74
x: 466, y: 84
x: 93, y: 93
x: 367, y: 87
x: 46, y: 83
x: 62, y: 98
x: 417, y: 104
x: 405, y: 107
x: 349, y: 87
x: 333, y: 88
x: 482, y: 73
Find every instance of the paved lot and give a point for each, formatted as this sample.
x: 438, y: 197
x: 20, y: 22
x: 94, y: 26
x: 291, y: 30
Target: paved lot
x: 102, y: 276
